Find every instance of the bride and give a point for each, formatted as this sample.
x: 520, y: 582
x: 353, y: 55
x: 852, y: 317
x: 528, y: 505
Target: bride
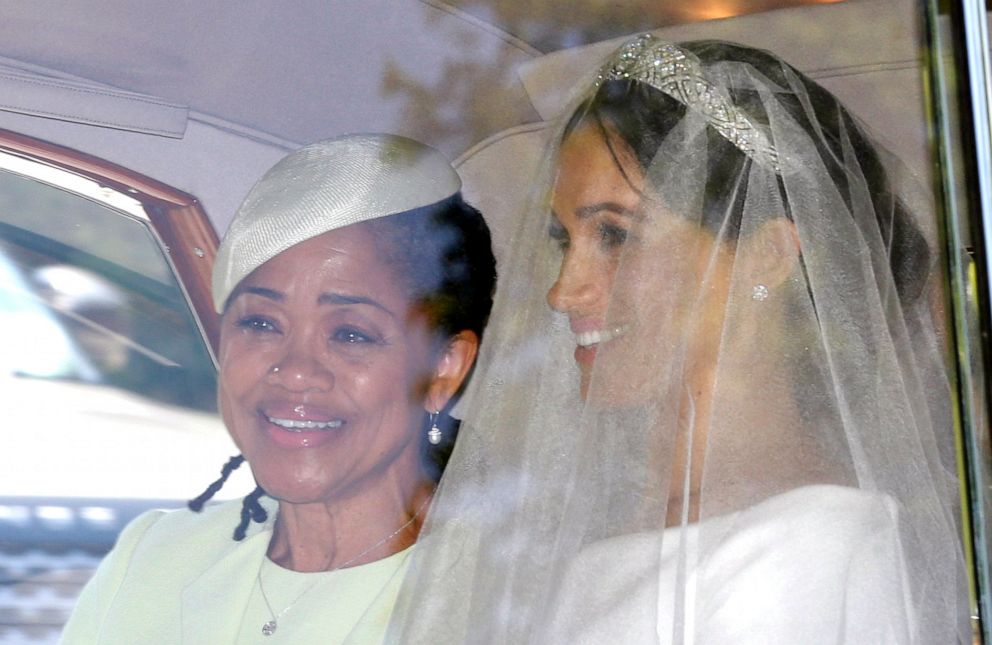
x: 732, y: 424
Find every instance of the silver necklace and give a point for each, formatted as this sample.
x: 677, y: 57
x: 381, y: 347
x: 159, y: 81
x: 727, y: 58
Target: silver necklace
x: 270, y: 626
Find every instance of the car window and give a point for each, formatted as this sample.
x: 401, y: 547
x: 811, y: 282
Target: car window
x: 93, y: 279
x: 107, y: 380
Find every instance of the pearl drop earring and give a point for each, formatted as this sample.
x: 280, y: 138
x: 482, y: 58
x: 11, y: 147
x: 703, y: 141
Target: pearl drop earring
x: 434, y: 434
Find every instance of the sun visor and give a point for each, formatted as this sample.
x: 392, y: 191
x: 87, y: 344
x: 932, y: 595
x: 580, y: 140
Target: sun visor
x: 37, y: 94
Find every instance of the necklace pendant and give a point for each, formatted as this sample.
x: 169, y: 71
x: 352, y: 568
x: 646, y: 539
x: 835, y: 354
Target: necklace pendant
x: 269, y: 628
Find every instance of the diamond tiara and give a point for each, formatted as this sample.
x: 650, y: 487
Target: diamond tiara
x: 678, y: 73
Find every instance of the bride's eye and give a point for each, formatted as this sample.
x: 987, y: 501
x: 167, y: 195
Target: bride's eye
x: 611, y: 235
x: 559, y: 235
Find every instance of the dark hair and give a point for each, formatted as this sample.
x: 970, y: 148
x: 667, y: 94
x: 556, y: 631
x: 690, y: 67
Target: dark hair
x: 443, y: 252
x: 641, y: 117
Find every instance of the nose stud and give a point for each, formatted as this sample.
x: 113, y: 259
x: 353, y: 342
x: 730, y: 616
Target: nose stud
x: 300, y: 375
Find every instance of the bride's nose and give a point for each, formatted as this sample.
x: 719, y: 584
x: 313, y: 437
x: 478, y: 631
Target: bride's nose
x: 580, y: 284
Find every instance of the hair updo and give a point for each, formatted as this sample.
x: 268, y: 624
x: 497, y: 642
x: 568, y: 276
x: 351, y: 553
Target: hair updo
x: 444, y: 254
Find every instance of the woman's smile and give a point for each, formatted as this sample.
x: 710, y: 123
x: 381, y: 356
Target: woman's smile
x: 295, y: 425
x: 300, y: 416
x: 300, y: 426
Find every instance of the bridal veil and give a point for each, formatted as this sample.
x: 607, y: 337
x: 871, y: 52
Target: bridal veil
x: 712, y: 404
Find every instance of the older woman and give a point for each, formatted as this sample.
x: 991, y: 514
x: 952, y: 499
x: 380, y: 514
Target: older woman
x: 354, y: 284
x: 713, y: 404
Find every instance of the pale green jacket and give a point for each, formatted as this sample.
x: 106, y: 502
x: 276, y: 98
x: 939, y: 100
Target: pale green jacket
x: 178, y: 577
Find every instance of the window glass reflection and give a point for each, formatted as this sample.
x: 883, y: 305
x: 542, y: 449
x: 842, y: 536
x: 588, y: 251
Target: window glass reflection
x: 95, y: 299
x: 108, y: 389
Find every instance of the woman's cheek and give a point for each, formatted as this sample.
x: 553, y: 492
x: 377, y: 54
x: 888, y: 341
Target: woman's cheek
x: 225, y: 406
x: 232, y: 346
x: 243, y: 366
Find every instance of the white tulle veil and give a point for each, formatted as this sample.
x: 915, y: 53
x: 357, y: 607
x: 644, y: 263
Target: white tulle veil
x: 768, y: 400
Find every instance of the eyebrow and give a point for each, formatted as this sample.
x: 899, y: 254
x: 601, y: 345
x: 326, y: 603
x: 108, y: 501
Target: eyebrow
x: 584, y: 212
x: 334, y: 298
x: 270, y: 294
x: 331, y: 298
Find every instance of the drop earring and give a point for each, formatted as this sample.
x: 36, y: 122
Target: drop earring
x: 434, y: 434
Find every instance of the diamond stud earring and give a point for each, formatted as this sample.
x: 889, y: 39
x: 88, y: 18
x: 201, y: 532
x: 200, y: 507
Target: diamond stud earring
x: 759, y: 293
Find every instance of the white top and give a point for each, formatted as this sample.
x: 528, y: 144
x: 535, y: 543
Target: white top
x: 818, y: 564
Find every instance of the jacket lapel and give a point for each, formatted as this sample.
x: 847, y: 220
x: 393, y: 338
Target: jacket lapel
x: 213, y: 605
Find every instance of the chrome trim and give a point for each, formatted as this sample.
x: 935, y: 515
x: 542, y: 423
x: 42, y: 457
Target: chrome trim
x: 969, y: 215
x: 64, y: 179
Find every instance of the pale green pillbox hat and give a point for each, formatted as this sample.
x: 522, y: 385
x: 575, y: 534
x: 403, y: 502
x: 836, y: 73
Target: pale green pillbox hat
x: 325, y: 186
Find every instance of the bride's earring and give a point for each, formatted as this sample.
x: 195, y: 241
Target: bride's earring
x: 759, y: 293
x: 434, y: 434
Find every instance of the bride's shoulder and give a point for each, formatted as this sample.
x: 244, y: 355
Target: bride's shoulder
x: 813, y: 533
x: 823, y: 503
x: 824, y: 514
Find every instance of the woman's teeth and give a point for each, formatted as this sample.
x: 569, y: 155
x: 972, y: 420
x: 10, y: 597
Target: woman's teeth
x: 296, y: 425
x: 587, y: 338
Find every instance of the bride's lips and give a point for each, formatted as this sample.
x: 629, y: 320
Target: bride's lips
x: 590, y: 334
x: 300, y: 425
x: 598, y: 336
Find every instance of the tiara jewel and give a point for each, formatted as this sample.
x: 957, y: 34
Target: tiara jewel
x: 677, y: 72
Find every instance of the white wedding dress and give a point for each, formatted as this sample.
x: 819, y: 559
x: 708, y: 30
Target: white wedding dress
x: 783, y: 571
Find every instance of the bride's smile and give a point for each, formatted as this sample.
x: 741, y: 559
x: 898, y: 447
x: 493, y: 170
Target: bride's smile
x: 598, y: 336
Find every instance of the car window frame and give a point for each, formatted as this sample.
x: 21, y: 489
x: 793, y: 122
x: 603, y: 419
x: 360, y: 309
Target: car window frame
x: 177, y: 219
